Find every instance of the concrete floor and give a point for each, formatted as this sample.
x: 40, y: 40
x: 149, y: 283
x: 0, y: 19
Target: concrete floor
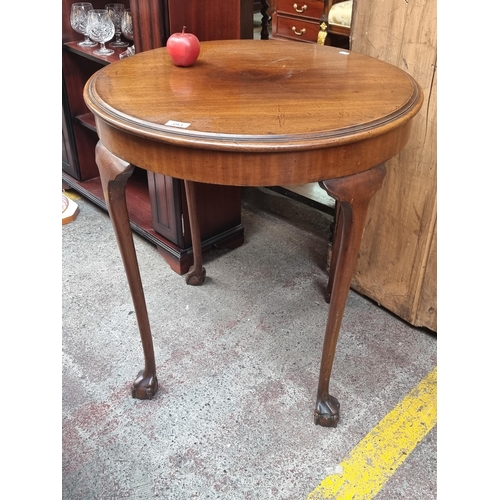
x: 238, y: 361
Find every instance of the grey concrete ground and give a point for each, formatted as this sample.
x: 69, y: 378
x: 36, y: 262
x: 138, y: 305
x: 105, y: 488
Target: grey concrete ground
x: 238, y: 361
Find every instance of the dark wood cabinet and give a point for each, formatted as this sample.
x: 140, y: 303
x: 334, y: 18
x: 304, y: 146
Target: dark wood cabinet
x: 157, y: 205
x: 297, y: 20
x: 301, y: 21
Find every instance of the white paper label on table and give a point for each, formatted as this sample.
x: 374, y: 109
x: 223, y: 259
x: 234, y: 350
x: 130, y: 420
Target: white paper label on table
x: 173, y: 123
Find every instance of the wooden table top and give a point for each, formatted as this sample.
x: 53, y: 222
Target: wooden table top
x: 243, y: 90
x: 260, y: 96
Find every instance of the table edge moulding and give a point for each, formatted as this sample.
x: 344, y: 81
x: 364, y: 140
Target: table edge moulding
x: 341, y: 137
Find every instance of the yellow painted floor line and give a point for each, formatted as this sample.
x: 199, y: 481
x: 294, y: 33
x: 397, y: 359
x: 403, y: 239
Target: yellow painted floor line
x: 377, y: 456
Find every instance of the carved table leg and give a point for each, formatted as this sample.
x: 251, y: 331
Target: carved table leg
x: 114, y: 174
x: 197, y: 273
x: 352, y: 195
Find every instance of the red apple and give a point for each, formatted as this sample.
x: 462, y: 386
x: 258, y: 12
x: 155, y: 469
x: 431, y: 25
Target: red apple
x: 183, y: 48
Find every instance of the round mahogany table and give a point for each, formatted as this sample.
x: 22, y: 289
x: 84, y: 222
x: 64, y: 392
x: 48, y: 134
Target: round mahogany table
x: 253, y: 113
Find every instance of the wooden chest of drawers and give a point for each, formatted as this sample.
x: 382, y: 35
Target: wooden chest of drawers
x: 297, y: 20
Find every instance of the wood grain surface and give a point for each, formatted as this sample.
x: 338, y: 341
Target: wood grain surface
x: 397, y: 266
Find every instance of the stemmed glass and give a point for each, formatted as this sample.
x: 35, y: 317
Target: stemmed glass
x: 128, y: 32
x: 101, y: 29
x: 78, y: 20
x: 116, y: 11
x: 127, y: 25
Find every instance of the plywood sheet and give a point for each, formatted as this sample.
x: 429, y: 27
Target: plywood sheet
x: 394, y: 267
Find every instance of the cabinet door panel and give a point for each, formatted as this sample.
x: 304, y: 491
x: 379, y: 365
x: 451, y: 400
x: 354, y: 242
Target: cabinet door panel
x: 69, y: 157
x: 212, y: 20
x: 166, y: 207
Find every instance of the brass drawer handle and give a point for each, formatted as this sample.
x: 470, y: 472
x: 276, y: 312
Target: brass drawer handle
x: 299, y: 33
x: 302, y: 9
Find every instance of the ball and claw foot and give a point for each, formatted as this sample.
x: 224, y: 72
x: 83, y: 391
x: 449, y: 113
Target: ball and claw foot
x: 195, y: 279
x: 326, y: 412
x: 144, y: 387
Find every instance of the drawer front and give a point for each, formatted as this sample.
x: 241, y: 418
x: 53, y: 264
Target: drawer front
x: 311, y: 9
x: 296, y: 29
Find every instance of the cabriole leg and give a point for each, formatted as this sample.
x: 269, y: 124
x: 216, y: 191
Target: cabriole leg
x: 197, y: 273
x: 352, y: 195
x: 114, y: 174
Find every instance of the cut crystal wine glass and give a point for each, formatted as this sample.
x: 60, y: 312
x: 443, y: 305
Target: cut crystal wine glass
x: 116, y: 11
x: 78, y: 20
x: 128, y: 32
x: 100, y: 29
x: 127, y: 26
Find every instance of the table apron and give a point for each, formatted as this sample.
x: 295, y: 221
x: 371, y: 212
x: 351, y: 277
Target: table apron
x: 248, y: 168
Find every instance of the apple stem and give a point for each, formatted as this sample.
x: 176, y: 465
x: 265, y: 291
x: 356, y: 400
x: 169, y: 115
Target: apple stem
x: 183, y: 28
